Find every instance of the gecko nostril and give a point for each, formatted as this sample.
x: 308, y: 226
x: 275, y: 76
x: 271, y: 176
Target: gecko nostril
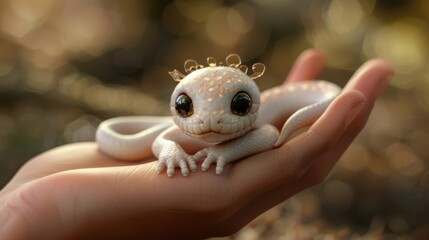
x: 220, y: 120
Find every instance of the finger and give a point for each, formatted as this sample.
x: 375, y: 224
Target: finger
x: 376, y: 72
x: 65, y: 158
x: 265, y: 200
x: 304, y: 149
x: 291, y: 160
x: 371, y: 78
x: 316, y: 173
x: 307, y: 66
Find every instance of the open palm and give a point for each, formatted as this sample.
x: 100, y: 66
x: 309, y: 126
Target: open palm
x: 76, y: 191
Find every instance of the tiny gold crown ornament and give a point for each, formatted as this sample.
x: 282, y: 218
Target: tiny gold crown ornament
x: 233, y: 60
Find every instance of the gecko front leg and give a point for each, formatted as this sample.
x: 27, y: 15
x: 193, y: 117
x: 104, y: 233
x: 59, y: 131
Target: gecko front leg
x: 170, y: 154
x: 167, y: 148
x: 255, y: 141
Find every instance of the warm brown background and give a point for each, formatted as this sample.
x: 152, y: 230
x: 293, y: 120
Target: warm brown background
x: 65, y: 65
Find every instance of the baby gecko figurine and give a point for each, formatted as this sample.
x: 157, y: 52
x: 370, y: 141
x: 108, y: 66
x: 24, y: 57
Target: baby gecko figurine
x: 220, y: 115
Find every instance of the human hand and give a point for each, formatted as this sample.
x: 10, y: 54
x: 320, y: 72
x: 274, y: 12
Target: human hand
x: 75, y: 191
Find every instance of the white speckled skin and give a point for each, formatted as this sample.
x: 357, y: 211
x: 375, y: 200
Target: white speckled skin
x: 213, y: 131
x: 212, y: 90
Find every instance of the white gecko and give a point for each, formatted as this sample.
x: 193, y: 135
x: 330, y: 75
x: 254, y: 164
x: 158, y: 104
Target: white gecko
x: 220, y: 115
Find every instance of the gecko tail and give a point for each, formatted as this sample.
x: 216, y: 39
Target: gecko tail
x: 302, y: 118
x: 130, y: 138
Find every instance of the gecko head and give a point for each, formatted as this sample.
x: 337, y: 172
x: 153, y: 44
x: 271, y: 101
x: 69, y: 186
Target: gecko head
x: 216, y: 103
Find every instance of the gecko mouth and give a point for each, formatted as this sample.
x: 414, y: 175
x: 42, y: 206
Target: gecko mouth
x: 214, y: 136
x: 215, y: 130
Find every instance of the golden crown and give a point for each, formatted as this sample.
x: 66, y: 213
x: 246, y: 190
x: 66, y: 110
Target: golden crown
x: 233, y: 60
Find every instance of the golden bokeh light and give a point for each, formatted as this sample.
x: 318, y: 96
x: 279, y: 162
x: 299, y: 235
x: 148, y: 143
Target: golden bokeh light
x: 339, y: 20
x: 403, y: 43
x: 219, y: 25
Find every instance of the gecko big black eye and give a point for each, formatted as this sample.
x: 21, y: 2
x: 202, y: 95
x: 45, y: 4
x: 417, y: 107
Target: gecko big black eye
x: 184, y: 105
x: 241, y: 104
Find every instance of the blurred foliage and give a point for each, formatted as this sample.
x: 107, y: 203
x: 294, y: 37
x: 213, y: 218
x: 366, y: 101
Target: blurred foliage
x: 65, y: 65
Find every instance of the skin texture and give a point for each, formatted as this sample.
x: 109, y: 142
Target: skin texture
x: 76, y: 191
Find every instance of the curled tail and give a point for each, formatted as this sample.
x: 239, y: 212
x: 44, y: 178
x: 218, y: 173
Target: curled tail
x: 302, y: 118
x: 130, y: 138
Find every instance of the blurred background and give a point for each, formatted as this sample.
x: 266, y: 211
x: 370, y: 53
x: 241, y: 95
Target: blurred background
x: 66, y: 65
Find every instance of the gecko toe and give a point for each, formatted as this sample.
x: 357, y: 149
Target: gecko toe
x: 192, y: 164
x: 199, y: 155
x: 206, y: 164
x: 219, y: 166
x: 184, y: 167
x: 170, y: 169
x: 160, y: 167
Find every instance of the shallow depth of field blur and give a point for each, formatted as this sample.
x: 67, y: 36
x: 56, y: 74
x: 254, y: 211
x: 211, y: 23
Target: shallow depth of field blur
x: 66, y: 65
